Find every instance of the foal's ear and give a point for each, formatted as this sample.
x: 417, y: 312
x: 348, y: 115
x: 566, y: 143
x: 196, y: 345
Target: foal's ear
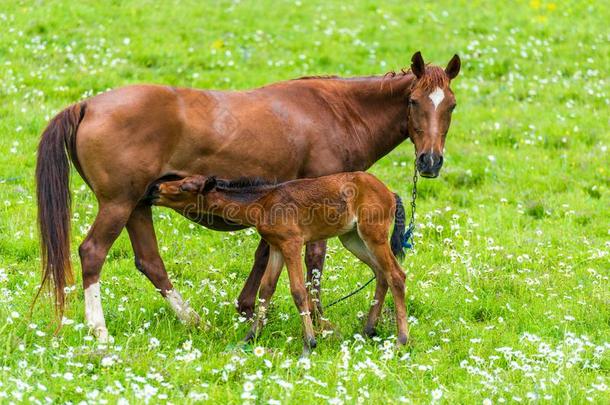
x: 418, y: 67
x: 453, y: 67
x: 209, y: 184
x: 192, y: 185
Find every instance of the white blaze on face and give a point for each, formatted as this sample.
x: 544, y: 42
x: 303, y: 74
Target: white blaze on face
x: 437, y: 97
x: 94, y: 313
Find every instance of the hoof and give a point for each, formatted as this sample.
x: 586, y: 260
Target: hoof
x: 325, y: 325
x: 246, y: 310
x: 190, y: 318
x: 402, y: 340
x: 311, y: 343
x: 370, y: 331
x: 102, y: 336
x: 249, y: 337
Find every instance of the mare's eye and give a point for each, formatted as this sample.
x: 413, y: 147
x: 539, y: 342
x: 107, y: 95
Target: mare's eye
x: 452, y: 107
x: 412, y: 102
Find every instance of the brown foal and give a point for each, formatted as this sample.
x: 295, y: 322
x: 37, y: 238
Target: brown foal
x: 355, y: 206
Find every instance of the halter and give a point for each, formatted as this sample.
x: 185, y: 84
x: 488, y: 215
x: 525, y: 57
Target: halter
x: 407, y: 241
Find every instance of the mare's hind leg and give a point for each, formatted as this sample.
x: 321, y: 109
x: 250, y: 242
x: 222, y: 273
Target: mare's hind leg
x: 268, y: 284
x: 315, y: 253
x: 247, y: 297
x: 149, y: 262
x: 354, y: 244
x: 110, y: 220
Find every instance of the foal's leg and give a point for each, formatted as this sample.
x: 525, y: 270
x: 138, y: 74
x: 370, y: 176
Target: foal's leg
x: 247, y: 297
x: 292, y: 256
x: 354, y: 244
x: 110, y: 220
x: 268, y: 284
x: 315, y: 253
x: 148, y: 261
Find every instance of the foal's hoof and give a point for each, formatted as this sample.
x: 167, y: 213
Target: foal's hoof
x: 310, y: 344
x: 370, y: 331
x: 250, y: 336
x: 402, y: 340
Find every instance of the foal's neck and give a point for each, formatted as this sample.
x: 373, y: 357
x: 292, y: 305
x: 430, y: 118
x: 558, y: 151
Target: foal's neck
x: 377, y: 116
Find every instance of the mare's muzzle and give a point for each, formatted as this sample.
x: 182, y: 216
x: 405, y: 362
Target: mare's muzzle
x: 429, y: 164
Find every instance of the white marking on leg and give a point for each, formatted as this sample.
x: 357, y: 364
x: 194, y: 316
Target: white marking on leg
x: 437, y: 97
x: 94, y: 314
x: 182, y: 308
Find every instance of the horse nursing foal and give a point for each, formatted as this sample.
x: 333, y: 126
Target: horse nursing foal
x: 355, y: 206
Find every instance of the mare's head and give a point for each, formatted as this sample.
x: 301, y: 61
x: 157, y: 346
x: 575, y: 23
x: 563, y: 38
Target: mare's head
x: 431, y: 103
x: 178, y: 194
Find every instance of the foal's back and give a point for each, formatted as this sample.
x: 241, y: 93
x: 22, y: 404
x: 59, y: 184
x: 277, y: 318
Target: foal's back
x: 324, y: 207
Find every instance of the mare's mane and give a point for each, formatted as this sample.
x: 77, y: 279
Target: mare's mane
x: 435, y: 76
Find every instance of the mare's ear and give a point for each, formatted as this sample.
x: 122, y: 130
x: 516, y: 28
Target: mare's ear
x: 418, y: 67
x: 209, y: 184
x: 453, y: 67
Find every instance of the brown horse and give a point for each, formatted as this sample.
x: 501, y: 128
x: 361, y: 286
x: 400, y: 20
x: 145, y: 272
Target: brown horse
x: 356, y: 207
x: 126, y: 139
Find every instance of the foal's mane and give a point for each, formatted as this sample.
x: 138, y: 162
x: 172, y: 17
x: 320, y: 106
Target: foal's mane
x: 244, y: 188
x: 244, y: 184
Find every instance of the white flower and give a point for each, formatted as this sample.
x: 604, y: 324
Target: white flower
x: 153, y: 343
x: 107, y: 361
x: 68, y: 376
x: 259, y: 351
x: 248, y: 386
x: 437, y: 394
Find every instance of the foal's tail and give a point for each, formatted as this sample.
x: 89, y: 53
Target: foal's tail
x: 398, y: 235
x: 57, y: 144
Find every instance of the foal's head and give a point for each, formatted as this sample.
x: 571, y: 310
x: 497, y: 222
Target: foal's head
x: 431, y: 103
x: 178, y: 193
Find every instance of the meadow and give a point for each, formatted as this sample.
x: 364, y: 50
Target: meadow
x: 508, y: 288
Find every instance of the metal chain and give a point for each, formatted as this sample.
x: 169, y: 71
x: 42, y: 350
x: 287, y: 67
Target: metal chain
x: 408, y: 242
x: 411, y: 228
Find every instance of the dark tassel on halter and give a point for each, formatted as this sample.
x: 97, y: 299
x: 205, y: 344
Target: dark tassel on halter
x: 407, y: 241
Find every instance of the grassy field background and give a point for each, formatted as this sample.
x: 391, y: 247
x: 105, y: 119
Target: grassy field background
x: 508, y: 289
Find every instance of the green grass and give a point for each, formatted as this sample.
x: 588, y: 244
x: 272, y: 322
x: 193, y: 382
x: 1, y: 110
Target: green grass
x: 508, y: 288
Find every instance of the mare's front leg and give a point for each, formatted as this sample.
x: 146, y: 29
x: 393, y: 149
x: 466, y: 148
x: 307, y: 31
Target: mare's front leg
x: 315, y: 253
x: 247, y: 297
x: 110, y: 220
x: 292, y: 256
x: 149, y: 262
x: 268, y: 284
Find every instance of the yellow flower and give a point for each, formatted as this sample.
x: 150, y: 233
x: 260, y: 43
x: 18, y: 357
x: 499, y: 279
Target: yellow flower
x: 535, y: 4
x: 218, y: 44
x: 551, y: 6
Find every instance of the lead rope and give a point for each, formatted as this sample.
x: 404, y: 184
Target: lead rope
x: 407, y: 241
